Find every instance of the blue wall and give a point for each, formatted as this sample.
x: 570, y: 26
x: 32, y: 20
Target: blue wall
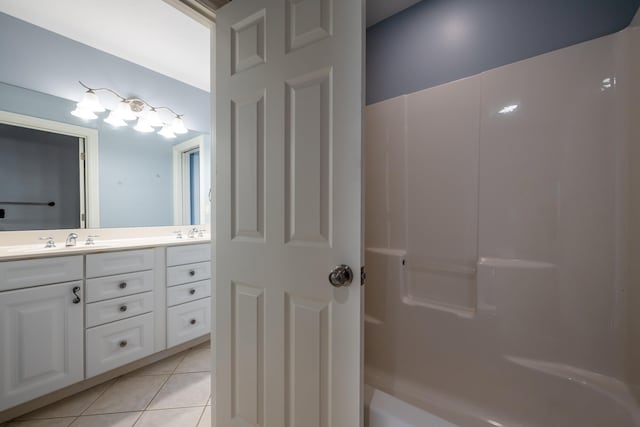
x: 438, y: 41
x: 135, y: 168
x: 40, y: 60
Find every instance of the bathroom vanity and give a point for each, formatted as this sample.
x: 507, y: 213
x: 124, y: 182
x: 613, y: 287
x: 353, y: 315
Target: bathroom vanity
x: 71, y: 314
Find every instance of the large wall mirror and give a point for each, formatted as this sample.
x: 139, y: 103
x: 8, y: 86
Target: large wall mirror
x: 58, y: 171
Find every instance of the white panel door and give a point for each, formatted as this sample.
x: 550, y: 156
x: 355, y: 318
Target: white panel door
x: 289, y: 102
x: 41, y: 337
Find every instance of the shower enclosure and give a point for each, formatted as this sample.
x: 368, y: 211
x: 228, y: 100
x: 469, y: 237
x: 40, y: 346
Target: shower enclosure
x: 503, y: 242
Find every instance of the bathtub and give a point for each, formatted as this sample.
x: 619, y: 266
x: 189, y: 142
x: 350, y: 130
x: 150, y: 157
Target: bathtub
x: 384, y: 410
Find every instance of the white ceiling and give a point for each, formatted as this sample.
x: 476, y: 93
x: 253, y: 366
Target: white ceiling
x: 150, y: 33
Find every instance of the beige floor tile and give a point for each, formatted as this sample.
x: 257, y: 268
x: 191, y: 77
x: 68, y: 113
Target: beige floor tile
x: 196, y: 360
x: 182, y: 417
x: 182, y: 390
x: 71, y: 406
x: 126, y: 419
x: 205, y: 420
x: 57, y: 422
x: 163, y: 367
x: 128, y: 394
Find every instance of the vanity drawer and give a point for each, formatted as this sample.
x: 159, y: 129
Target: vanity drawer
x: 188, y: 273
x: 111, y: 310
x: 118, y: 343
x: 188, y: 254
x: 42, y: 271
x: 118, y: 286
x: 188, y: 292
x: 109, y: 263
x: 188, y: 321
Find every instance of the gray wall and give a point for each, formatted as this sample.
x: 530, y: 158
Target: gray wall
x: 438, y: 41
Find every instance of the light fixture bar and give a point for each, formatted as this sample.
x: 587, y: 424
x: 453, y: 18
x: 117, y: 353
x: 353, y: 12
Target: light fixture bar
x: 129, y: 109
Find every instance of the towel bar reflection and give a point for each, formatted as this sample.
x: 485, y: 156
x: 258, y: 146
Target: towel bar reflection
x: 29, y: 203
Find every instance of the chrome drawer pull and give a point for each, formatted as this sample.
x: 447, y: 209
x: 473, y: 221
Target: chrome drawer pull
x: 192, y: 291
x: 123, y: 308
x: 123, y: 343
x: 192, y: 321
x: 192, y: 273
x: 123, y: 285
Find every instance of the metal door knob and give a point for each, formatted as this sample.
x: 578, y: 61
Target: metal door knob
x: 341, y: 276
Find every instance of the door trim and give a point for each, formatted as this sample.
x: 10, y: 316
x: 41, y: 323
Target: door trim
x: 178, y: 173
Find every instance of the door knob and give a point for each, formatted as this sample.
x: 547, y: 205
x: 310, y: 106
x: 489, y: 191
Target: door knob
x: 341, y: 276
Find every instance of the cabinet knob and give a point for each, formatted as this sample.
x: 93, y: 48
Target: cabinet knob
x: 192, y: 273
x: 192, y: 321
x: 192, y: 291
x: 123, y: 285
x: 123, y: 343
x: 123, y: 308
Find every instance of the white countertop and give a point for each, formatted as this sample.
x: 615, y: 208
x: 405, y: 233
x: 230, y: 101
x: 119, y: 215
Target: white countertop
x: 21, y: 250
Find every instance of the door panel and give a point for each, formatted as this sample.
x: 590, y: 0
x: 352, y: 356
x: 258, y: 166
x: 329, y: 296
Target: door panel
x: 247, y: 161
x: 289, y: 102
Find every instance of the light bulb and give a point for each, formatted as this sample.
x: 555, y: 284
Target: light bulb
x: 114, y: 120
x: 143, y: 126
x: 177, y: 126
x: 84, y: 114
x: 153, y: 118
x: 91, y: 102
x: 123, y: 110
x: 167, y: 132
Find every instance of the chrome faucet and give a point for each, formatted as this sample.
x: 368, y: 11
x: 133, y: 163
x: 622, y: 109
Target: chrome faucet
x: 50, y: 242
x: 90, y: 241
x: 192, y: 233
x: 71, y: 240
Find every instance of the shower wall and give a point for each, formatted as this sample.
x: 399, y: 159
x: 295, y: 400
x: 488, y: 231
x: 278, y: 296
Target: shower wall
x: 497, y: 235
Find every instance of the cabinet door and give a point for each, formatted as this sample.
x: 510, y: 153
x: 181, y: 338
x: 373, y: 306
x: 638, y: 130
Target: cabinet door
x: 41, y: 341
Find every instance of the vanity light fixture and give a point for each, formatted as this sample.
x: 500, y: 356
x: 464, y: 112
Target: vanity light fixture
x: 128, y: 109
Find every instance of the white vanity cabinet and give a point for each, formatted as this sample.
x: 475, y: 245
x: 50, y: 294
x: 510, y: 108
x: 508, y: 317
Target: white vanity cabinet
x: 188, y: 292
x: 119, y: 309
x: 41, y: 327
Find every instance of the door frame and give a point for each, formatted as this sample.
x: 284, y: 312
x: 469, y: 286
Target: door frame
x: 178, y: 174
x: 92, y: 165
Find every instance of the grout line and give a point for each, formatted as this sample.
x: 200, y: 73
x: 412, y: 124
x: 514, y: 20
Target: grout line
x: 112, y: 381
x: 201, y: 416
x: 160, y: 389
x: 138, y: 419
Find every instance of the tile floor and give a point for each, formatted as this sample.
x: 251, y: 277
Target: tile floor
x: 174, y: 392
